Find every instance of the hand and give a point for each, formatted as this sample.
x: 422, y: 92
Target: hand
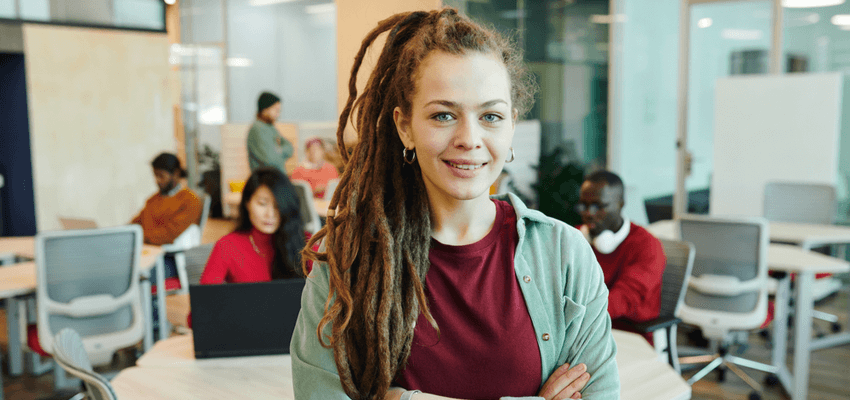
x: 565, y: 383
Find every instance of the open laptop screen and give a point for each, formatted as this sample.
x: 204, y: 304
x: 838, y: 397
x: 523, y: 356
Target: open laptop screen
x: 244, y: 319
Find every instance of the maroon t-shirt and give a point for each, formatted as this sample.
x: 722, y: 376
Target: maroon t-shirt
x: 487, y: 347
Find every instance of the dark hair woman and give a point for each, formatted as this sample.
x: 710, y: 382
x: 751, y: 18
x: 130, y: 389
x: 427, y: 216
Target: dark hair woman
x: 427, y: 287
x: 268, y: 236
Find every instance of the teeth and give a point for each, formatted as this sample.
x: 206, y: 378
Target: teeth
x: 465, y: 166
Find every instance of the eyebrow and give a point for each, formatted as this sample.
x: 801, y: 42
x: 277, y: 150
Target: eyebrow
x: 452, y: 104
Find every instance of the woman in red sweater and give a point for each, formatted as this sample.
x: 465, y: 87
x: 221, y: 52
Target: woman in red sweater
x: 269, y: 236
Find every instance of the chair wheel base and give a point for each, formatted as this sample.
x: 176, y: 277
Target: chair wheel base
x: 721, y: 374
x: 836, y: 327
x: 771, y: 380
x: 754, y: 396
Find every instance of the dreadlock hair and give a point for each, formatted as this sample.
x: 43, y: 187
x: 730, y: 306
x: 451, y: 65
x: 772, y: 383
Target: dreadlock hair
x: 377, y: 242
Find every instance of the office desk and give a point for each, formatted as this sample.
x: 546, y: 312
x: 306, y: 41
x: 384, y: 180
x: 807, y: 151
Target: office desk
x: 642, y: 374
x: 18, y: 281
x: 169, y: 371
x: 805, y: 264
x: 809, y: 236
x: 205, y: 383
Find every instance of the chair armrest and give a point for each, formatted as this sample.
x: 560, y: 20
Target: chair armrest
x: 654, y: 324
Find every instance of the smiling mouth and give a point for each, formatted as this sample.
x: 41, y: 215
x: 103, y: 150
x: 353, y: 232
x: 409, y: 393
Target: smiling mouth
x: 465, y: 166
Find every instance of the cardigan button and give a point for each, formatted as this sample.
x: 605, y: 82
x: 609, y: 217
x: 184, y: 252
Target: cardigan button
x: 526, y: 279
x: 545, y: 337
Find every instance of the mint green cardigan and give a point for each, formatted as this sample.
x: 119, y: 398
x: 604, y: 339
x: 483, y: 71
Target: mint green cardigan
x: 564, y: 290
x: 263, y: 147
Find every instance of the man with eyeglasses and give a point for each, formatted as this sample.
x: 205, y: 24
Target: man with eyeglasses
x: 632, y: 259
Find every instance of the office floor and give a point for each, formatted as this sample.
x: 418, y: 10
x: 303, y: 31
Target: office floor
x: 829, y: 380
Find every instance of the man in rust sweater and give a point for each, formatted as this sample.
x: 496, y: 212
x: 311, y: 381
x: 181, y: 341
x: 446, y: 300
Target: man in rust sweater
x: 632, y: 259
x: 171, y: 210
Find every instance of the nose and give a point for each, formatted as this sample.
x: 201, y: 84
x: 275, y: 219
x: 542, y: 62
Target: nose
x: 468, y: 134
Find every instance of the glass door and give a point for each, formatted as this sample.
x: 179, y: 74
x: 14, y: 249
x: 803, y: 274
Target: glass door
x: 720, y: 38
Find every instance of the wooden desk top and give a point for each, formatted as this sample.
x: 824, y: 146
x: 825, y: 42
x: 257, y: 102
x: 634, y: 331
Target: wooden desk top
x: 812, y: 235
x: 204, y: 383
x: 179, y: 351
x: 23, y: 246
x: 790, y: 258
x: 20, y: 279
x: 642, y: 374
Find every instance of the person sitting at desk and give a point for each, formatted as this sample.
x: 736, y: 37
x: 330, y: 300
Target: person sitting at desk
x: 173, y: 209
x: 316, y: 171
x: 631, y: 258
x: 268, y: 238
x: 427, y: 284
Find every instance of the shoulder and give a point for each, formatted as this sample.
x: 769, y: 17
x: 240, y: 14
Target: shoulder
x: 232, y: 240
x: 639, y: 235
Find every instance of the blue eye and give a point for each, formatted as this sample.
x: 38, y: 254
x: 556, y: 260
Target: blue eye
x: 492, y: 118
x: 443, y: 117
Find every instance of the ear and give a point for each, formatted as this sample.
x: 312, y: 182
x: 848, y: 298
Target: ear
x: 402, y: 125
x: 514, y: 116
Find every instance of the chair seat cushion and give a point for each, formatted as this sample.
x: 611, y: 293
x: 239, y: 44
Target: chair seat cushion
x: 172, y: 283
x: 32, y: 340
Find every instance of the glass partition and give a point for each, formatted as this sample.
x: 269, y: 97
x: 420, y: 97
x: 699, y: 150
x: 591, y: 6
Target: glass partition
x: 122, y: 14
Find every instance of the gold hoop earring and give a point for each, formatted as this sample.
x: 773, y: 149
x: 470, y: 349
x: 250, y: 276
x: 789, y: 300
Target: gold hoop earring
x: 513, y: 156
x: 404, y: 155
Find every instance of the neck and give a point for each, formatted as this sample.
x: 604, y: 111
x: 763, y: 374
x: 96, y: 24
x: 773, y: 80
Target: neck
x: 461, y: 222
x: 265, y: 119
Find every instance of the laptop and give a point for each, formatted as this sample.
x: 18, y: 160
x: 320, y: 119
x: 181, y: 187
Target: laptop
x: 77, y: 223
x: 244, y: 319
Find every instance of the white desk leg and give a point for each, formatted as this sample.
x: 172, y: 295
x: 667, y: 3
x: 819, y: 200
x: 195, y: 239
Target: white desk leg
x: 160, y: 297
x: 147, y: 304
x: 780, y: 328
x: 802, y: 333
x: 13, y: 323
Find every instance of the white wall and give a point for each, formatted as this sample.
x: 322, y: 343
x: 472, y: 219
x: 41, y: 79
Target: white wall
x: 773, y: 128
x: 100, y: 109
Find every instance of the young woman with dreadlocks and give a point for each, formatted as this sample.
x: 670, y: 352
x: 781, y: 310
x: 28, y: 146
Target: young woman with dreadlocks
x: 425, y: 286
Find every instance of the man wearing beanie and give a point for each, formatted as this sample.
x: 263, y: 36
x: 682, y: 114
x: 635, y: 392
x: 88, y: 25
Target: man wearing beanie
x: 266, y: 147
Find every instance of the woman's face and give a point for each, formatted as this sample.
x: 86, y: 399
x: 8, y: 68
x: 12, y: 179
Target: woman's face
x: 262, y: 210
x: 461, y: 123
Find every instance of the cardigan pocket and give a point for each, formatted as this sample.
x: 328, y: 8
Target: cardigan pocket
x: 573, y: 316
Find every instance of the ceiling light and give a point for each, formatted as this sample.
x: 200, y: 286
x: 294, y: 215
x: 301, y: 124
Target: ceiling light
x: 704, y: 22
x: 239, y: 62
x: 810, y: 3
x: 741, y: 34
x: 840, y: 19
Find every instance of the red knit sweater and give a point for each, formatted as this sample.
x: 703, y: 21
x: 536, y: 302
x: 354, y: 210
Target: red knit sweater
x: 164, y: 217
x: 633, y: 276
x: 234, y: 260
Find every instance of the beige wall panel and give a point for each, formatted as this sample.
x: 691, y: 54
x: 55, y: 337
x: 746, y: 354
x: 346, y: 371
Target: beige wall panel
x: 354, y: 20
x: 100, y: 109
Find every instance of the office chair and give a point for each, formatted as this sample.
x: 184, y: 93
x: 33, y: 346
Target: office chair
x: 88, y: 280
x: 727, y: 291
x: 674, y: 284
x: 806, y: 203
x: 191, y: 237
x: 70, y: 353
x: 309, y: 214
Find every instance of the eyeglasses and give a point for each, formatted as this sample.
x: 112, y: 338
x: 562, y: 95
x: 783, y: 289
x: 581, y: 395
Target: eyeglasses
x: 592, y: 208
